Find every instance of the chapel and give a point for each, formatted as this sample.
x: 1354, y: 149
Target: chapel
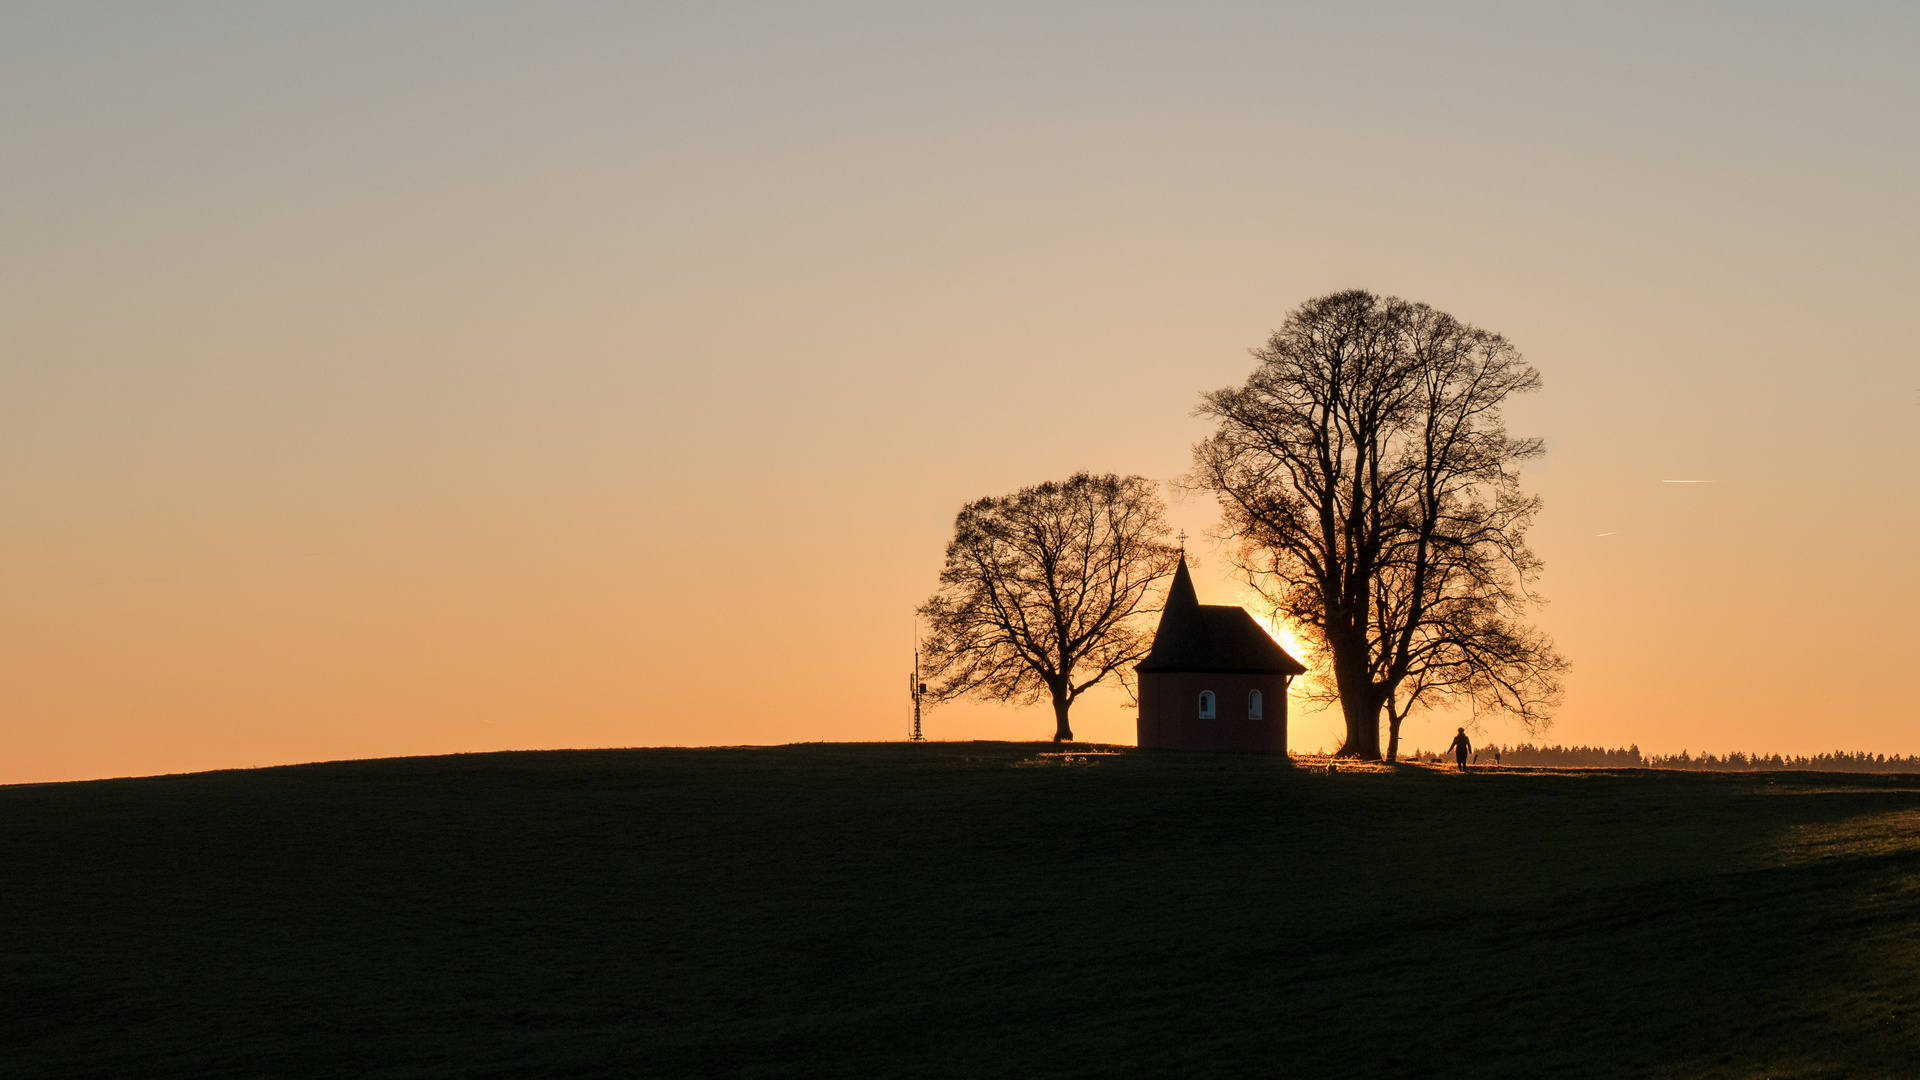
x: 1215, y: 679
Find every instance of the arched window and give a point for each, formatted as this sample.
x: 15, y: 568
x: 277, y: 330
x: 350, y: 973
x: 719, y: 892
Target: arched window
x: 1206, y: 704
x: 1253, y: 704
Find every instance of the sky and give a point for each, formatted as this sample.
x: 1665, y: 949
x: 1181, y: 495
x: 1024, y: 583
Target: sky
x: 400, y: 379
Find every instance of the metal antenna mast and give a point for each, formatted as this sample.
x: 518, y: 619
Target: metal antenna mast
x: 915, y: 687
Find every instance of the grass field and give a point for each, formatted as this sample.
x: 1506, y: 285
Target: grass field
x: 957, y: 910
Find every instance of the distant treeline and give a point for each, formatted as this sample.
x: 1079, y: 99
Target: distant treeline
x: 1599, y: 757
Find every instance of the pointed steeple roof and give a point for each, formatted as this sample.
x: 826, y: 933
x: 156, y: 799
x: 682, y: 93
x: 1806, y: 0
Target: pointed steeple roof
x: 1212, y: 637
x: 1181, y: 641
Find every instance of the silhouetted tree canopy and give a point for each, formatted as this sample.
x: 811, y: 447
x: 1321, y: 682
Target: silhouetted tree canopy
x: 1371, y: 493
x: 1043, y: 589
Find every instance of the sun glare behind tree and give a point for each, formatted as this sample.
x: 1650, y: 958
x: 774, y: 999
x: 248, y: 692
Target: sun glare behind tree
x: 1370, y: 492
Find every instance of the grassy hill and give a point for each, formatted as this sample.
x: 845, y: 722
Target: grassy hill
x: 956, y: 910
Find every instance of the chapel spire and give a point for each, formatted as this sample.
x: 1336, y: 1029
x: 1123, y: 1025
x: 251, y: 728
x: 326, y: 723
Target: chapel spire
x: 1182, y: 639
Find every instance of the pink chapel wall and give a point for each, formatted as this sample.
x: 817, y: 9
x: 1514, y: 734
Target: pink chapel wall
x: 1170, y: 712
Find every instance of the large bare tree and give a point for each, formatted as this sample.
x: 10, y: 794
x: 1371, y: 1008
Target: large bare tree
x: 1370, y: 491
x: 1043, y: 591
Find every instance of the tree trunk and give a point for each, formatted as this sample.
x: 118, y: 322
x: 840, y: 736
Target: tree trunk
x: 1393, y: 733
x: 1061, y: 731
x: 1359, y: 701
x: 1363, y: 728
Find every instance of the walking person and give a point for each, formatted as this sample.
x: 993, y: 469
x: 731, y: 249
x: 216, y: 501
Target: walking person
x: 1461, y: 748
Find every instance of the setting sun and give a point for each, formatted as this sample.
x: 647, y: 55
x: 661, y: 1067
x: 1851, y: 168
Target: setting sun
x: 1297, y: 645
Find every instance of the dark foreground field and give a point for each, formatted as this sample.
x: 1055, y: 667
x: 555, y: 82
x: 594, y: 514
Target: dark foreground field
x: 956, y: 910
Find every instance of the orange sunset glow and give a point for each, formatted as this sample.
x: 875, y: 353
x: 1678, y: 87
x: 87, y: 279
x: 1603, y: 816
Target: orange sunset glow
x: 743, y: 540
x: 382, y: 381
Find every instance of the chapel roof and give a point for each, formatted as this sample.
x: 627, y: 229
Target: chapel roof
x: 1212, y: 637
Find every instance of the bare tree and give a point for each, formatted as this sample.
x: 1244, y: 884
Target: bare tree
x: 1370, y: 492
x: 1042, y: 589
